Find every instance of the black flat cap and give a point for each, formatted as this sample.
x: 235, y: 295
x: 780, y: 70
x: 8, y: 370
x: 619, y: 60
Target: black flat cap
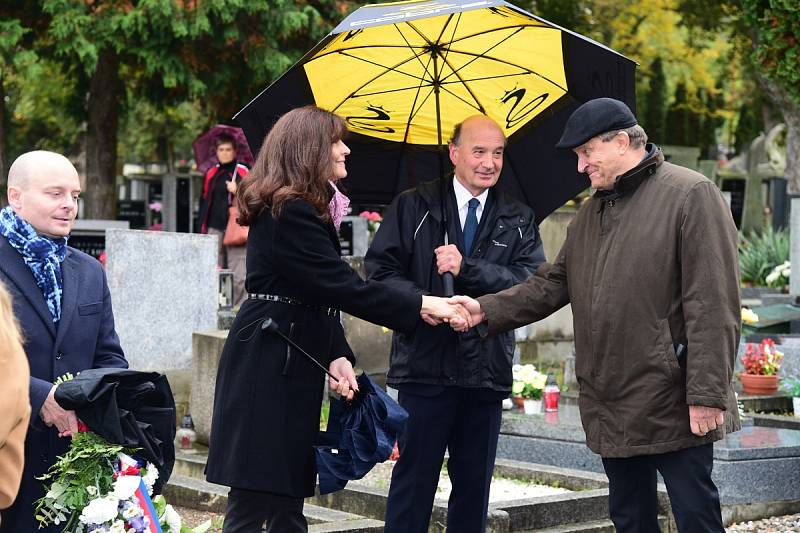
x: 593, y: 118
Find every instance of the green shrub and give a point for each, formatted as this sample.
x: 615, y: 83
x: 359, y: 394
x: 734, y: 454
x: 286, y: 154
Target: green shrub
x: 759, y: 253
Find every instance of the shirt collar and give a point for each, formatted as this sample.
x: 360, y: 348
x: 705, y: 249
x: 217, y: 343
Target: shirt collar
x: 463, y: 196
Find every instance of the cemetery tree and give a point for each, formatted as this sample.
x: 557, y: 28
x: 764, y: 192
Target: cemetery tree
x: 677, y: 128
x: 12, y: 56
x: 773, y: 31
x: 105, y: 45
x: 166, y: 52
x: 655, y: 102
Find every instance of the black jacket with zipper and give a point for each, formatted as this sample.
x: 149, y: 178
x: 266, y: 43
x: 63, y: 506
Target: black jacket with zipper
x: 506, y: 251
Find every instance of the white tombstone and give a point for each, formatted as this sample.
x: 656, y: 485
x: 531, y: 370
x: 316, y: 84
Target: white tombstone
x: 164, y: 286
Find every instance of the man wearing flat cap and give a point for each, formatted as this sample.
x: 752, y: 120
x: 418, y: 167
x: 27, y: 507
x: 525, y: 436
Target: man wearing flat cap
x: 650, y: 267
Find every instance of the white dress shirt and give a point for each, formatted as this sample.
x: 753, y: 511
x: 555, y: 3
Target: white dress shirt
x: 463, y: 196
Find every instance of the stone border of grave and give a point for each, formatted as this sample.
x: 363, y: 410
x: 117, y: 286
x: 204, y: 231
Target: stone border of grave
x: 359, y: 508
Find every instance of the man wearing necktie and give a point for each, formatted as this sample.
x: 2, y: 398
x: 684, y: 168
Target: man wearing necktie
x: 452, y: 384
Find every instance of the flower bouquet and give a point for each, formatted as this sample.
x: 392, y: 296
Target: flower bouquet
x: 761, y: 364
x: 528, y: 384
x: 374, y: 220
x: 99, y: 487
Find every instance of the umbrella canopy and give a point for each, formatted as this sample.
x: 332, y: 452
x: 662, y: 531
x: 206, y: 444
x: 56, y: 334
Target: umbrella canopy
x: 205, y: 149
x: 403, y: 74
x: 126, y: 407
x: 360, y: 434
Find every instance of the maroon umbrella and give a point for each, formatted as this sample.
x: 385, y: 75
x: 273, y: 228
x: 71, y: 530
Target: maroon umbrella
x: 205, y: 149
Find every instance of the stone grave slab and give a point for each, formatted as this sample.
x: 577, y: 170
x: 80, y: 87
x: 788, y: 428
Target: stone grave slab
x: 754, y: 465
x: 164, y: 286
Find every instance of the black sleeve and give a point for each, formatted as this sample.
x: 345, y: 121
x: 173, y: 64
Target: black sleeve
x: 304, y: 254
x: 389, y: 255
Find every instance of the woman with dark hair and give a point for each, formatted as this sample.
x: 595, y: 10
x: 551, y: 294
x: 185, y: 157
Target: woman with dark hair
x: 268, y: 398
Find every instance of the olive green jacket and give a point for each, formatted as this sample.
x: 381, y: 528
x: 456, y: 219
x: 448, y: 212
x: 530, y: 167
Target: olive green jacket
x: 646, y: 267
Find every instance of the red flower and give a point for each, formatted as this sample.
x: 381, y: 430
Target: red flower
x: 761, y: 359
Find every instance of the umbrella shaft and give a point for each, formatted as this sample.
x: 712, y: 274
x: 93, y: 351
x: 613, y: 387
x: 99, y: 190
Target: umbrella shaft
x: 310, y: 357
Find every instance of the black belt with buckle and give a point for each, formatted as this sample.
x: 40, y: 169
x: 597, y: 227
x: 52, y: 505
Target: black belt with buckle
x: 330, y: 311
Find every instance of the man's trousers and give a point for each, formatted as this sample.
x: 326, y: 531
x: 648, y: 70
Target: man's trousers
x: 693, y: 495
x: 467, y: 423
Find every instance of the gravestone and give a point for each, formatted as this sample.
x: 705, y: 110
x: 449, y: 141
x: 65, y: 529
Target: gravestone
x: 354, y: 236
x: 163, y: 287
x: 756, y: 465
x: 89, y: 235
x: 794, y: 251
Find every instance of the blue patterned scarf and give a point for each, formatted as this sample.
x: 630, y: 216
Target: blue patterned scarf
x: 42, y: 255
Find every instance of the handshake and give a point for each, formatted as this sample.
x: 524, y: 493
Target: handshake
x: 461, y: 312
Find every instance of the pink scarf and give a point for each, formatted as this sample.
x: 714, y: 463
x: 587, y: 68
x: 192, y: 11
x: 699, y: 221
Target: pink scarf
x: 338, y: 206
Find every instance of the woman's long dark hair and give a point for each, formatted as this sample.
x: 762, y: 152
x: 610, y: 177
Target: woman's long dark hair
x: 295, y: 161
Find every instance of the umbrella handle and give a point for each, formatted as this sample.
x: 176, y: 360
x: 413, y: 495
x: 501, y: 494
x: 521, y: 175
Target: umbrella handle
x: 270, y: 326
x: 447, y: 279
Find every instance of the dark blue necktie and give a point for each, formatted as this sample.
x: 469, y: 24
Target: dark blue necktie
x: 471, y: 224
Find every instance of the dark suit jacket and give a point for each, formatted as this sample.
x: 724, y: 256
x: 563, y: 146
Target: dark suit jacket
x: 84, y: 338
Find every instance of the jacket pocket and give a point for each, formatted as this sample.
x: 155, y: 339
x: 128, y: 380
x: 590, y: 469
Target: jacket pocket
x: 668, y: 351
x: 90, y: 309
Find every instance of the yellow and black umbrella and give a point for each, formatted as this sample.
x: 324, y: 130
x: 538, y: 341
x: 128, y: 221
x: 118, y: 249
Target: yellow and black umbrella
x: 403, y: 74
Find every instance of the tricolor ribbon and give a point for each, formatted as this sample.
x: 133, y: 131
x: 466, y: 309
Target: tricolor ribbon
x: 146, y: 504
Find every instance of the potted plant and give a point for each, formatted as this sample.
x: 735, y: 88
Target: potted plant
x: 791, y: 385
x: 528, y: 385
x: 761, y: 364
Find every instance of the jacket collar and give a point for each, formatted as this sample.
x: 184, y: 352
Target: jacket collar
x: 628, y: 182
x: 431, y: 193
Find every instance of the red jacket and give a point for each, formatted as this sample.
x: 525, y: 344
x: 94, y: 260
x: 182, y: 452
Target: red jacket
x: 241, y: 172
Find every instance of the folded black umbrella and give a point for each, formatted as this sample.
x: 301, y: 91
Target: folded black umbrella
x: 360, y: 434
x: 126, y: 407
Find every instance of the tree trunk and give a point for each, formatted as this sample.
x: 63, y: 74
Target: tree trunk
x: 791, y: 117
x: 3, y: 170
x: 101, y: 137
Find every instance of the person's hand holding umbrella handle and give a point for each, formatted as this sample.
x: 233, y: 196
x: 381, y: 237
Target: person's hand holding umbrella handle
x: 347, y: 385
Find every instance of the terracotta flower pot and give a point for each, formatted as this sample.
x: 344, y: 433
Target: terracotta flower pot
x: 759, y: 385
x: 519, y: 402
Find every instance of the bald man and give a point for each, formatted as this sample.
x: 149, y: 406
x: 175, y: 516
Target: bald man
x: 61, y: 300
x: 452, y: 384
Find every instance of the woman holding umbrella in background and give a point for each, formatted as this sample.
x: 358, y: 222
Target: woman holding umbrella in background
x: 216, y: 217
x: 268, y: 399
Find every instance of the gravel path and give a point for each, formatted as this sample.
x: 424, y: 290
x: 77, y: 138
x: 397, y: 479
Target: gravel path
x: 776, y: 524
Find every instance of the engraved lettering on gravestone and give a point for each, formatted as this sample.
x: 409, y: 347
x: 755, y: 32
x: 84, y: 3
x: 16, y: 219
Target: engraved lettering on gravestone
x: 364, y: 122
x: 514, y: 116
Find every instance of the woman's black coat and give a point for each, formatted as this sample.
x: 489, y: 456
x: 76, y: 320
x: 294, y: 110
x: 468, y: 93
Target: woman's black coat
x: 266, y: 410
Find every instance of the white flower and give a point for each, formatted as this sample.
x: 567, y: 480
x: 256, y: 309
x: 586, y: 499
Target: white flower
x: 131, y: 510
x: 99, y: 511
x: 172, y: 519
x: 151, y: 477
x: 91, y: 490
x: 117, y: 527
x: 125, y: 486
